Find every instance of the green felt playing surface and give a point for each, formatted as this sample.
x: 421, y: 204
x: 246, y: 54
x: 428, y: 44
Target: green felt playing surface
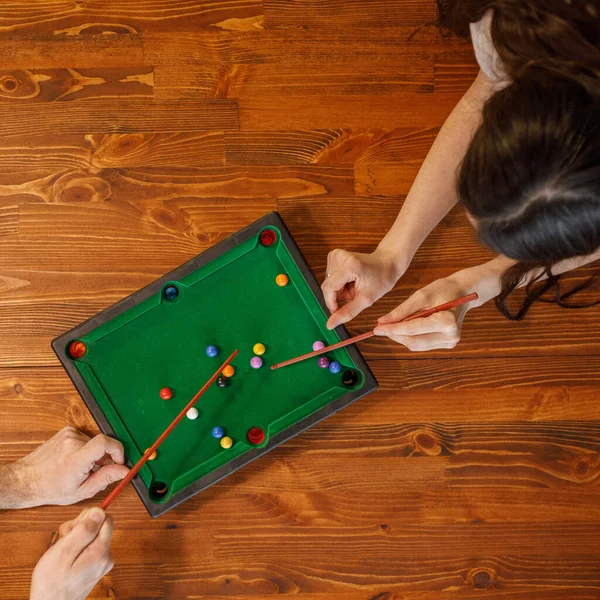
x: 232, y: 302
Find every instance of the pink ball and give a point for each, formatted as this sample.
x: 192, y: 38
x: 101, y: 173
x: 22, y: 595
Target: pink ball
x: 256, y: 362
x: 318, y: 346
x: 323, y: 362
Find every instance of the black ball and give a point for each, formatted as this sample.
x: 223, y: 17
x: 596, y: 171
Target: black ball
x: 222, y: 381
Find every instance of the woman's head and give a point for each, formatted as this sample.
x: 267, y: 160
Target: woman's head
x: 562, y: 36
x: 531, y: 178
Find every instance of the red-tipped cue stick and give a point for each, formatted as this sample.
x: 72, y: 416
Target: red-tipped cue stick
x: 140, y: 463
x: 420, y: 314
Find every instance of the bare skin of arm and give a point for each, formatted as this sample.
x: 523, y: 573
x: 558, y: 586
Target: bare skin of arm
x: 355, y: 281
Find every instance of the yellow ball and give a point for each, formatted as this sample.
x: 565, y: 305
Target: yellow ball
x: 228, y: 371
x: 282, y: 280
x: 226, y: 442
x: 152, y: 456
x: 259, y: 349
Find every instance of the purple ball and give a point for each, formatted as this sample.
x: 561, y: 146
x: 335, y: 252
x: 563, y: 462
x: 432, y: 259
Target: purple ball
x: 323, y: 362
x: 256, y: 362
x: 318, y: 346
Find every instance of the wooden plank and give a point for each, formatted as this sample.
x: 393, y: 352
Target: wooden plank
x: 285, y: 79
x: 414, y: 110
x: 50, y: 52
x: 334, y: 146
x: 455, y: 76
x: 100, y: 151
x: 362, y: 46
x: 49, y: 85
x: 9, y: 219
x: 117, y: 116
x: 335, y: 14
x: 384, y: 180
x: 115, y: 17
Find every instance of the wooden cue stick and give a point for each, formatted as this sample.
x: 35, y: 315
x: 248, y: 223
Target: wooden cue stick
x: 420, y: 314
x: 140, y: 463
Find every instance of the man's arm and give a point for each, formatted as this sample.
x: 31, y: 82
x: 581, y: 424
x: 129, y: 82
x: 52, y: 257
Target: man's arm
x: 13, y: 491
x: 67, y: 468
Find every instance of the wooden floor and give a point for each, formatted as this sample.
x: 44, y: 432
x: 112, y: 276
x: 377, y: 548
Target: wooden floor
x: 135, y: 134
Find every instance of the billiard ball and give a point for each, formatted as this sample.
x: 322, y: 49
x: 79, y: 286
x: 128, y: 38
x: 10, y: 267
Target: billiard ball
x: 259, y: 349
x: 318, y: 345
x: 217, y: 432
x: 166, y: 393
x: 171, y: 292
x: 350, y: 378
x: 77, y: 349
x: 282, y: 280
x: 152, y: 456
x: 222, y: 382
x: 323, y: 362
x: 226, y: 442
x: 192, y: 413
x: 212, y: 351
x: 228, y: 371
x: 335, y: 367
x: 256, y: 362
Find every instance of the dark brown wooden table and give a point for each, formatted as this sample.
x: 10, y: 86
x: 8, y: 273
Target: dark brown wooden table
x: 134, y: 135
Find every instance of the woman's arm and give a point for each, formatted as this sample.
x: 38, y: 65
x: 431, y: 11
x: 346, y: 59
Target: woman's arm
x: 355, y: 281
x: 434, y: 193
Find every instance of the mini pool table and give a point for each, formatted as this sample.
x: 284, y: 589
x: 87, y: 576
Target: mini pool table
x: 158, y: 337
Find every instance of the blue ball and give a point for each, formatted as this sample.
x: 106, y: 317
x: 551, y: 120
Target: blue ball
x: 212, y: 351
x: 335, y: 367
x: 218, y: 432
x: 171, y: 292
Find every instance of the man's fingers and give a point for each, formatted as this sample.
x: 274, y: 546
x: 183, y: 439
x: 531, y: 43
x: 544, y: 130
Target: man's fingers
x: 81, y: 535
x: 86, y: 457
x: 98, y: 552
x: 101, y: 479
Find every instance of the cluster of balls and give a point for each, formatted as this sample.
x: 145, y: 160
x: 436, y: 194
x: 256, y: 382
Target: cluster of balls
x: 333, y: 365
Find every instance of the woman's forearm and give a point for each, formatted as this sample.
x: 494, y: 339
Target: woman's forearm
x: 433, y: 193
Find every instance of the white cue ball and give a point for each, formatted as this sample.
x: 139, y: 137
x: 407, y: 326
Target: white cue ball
x: 192, y: 413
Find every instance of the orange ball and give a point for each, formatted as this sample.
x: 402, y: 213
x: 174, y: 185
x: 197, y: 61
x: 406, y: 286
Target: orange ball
x: 228, y: 371
x: 77, y: 349
x: 152, y: 456
x: 282, y: 280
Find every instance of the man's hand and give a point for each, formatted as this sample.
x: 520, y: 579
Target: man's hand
x: 69, y: 467
x: 81, y: 557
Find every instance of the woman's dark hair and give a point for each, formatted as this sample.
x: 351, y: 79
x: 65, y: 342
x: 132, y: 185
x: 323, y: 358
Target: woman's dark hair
x: 562, y: 36
x: 531, y: 179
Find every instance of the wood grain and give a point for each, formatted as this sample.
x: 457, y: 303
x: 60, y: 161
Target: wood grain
x: 118, y: 116
x: 51, y: 85
x: 348, y: 13
x: 83, y: 17
x: 134, y: 135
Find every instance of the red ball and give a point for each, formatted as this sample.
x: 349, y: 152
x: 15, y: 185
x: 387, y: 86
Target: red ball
x: 166, y: 394
x: 77, y: 349
x: 256, y: 435
x: 268, y: 237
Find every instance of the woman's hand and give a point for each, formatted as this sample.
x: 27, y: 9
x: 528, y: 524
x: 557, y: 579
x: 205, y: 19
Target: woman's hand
x: 440, y: 330
x: 355, y: 281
